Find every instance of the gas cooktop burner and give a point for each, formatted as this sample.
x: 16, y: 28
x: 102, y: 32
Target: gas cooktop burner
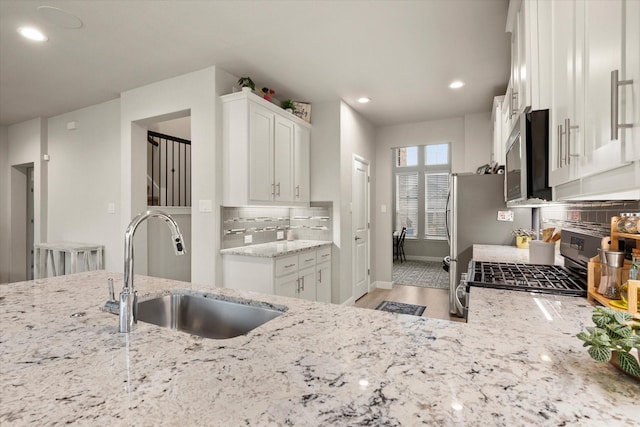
x: 551, y: 279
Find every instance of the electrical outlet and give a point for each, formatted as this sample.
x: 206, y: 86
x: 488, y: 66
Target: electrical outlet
x: 279, y: 235
x: 248, y: 239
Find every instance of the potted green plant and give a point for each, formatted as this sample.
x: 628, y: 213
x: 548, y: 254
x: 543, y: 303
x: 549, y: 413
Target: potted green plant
x: 613, y: 339
x: 523, y: 237
x: 288, y: 105
x: 246, y: 82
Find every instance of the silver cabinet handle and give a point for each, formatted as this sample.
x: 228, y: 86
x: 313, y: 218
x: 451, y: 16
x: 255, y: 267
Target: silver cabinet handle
x: 298, y: 285
x: 559, y: 160
x: 289, y: 266
x: 298, y: 190
x: 320, y: 274
x: 273, y: 189
x: 278, y: 185
x: 615, y: 83
x: 514, y: 103
x: 358, y: 238
x: 302, y: 279
x: 568, y: 127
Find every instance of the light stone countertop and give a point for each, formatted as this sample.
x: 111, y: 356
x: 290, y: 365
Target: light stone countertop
x: 276, y: 249
x: 516, y: 363
x: 505, y: 253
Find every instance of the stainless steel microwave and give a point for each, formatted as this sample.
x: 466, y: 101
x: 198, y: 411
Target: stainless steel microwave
x: 527, y: 163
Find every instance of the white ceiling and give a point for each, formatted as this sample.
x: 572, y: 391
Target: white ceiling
x: 402, y: 54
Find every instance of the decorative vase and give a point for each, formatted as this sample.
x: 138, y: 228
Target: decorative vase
x: 289, y: 110
x: 522, y: 242
x: 246, y: 89
x: 614, y: 362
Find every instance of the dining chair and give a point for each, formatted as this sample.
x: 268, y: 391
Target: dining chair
x: 401, y: 254
x: 398, y: 245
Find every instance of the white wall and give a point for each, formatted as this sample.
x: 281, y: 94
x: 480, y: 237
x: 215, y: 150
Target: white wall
x: 478, y: 140
x: 27, y: 142
x: 197, y: 92
x: 325, y: 174
x: 448, y: 130
x: 84, y: 177
x: 338, y: 133
x: 5, y: 226
x: 357, y: 137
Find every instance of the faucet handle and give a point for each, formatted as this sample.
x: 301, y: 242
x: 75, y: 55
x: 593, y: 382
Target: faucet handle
x: 112, y: 294
x: 112, y: 306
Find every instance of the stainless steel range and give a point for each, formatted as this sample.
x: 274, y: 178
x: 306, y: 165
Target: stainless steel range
x: 577, y: 247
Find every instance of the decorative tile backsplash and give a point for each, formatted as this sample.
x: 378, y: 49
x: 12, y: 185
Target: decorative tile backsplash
x: 264, y: 223
x: 594, y: 216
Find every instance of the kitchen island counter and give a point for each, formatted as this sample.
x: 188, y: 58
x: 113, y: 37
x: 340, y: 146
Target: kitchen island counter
x: 517, y: 362
x: 276, y: 249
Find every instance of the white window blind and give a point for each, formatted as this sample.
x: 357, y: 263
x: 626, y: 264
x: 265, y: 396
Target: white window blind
x: 435, y: 204
x: 407, y: 203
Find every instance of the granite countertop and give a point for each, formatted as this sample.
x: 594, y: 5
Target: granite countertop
x: 276, y: 249
x: 504, y: 253
x: 63, y: 361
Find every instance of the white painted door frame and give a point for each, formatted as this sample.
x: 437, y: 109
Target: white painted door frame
x: 360, y: 226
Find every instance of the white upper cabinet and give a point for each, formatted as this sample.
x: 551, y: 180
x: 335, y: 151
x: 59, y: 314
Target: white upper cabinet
x: 563, y: 19
x: 630, y: 94
x: 527, y: 59
x: 594, y: 48
x: 604, y: 58
x: 265, y: 153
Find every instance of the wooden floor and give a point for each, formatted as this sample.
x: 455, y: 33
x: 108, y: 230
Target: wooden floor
x: 436, y: 300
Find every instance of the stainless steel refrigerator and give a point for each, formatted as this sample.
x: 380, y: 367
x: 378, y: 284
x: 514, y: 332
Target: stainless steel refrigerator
x: 473, y: 207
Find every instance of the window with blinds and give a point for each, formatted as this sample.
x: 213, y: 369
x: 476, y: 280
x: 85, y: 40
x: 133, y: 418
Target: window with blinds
x: 436, y: 189
x: 407, y: 203
x: 421, y: 175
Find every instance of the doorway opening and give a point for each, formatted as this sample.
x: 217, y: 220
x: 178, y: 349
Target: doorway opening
x: 168, y: 188
x: 22, y: 223
x: 419, y: 196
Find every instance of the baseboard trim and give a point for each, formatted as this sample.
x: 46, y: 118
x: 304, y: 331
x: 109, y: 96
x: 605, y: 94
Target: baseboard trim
x: 382, y: 285
x: 423, y: 258
x: 349, y: 301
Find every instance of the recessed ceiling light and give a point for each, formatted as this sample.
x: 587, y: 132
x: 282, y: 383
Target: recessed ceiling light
x: 364, y: 100
x: 60, y: 17
x: 32, y: 33
x: 456, y: 84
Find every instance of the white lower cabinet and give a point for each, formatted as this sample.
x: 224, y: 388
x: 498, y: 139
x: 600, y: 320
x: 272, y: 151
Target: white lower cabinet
x: 305, y: 275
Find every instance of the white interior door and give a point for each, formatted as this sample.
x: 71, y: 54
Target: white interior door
x: 360, y: 227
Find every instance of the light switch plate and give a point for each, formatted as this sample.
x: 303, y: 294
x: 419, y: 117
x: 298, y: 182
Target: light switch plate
x: 205, y: 205
x: 383, y: 208
x: 279, y: 235
x: 111, y: 208
x: 248, y: 239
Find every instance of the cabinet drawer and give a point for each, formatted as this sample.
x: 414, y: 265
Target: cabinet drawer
x: 286, y: 265
x: 324, y: 254
x: 307, y: 259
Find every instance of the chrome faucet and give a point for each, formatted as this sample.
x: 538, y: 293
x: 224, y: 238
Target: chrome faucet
x: 128, y: 305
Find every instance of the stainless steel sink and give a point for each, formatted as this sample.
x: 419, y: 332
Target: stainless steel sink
x: 204, y: 315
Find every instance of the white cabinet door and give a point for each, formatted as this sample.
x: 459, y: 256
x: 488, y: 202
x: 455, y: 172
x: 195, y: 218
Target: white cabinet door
x: 261, y: 122
x: 283, y: 159
x: 287, y: 286
x: 604, y: 32
x: 323, y: 282
x: 566, y: 125
x: 630, y: 94
x: 307, y: 288
x: 302, y: 171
